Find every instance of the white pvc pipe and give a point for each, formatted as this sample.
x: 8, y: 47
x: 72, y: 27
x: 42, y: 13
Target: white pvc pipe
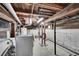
x: 11, y: 10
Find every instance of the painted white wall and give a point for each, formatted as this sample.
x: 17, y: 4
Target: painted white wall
x: 23, y: 31
x: 66, y: 37
x: 8, y: 34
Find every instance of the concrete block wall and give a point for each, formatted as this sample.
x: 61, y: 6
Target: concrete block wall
x: 34, y: 32
x: 66, y: 37
x: 3, y: 34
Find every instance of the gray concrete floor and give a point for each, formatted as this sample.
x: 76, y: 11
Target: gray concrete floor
x: 39, y: 50
x: 48, y: 50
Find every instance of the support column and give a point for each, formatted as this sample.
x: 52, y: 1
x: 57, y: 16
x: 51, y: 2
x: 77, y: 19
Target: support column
x: 12, y: 33
x: 20, y: 30
x: 55, y: 37
x: 39, y: 32
x: 52, y: 26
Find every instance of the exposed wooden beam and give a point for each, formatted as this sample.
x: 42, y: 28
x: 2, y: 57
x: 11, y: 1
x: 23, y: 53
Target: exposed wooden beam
x: 28, y: 14
x: 32, y: 10
x: 57, y: 14
x: 3, y: 10
x: 54, y: 7
x: 66, y: 11
x: 69, y: 25
x: 20, y: 9
x: 66, y: 20
x: 3, y: 16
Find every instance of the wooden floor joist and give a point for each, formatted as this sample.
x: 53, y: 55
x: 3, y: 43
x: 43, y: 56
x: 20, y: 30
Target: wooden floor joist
x: 54, y: 7
x: 28, y: 14
x: 66, y: 11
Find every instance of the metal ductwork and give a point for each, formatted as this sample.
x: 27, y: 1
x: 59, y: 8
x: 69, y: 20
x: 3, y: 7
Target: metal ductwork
x: 11, y: 10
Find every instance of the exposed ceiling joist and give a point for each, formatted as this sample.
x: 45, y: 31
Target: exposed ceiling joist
x: 69, y: 24
x: 66, y: 20
x: 12, y: 12
x: 62, y: 15
x: 3, y: 16
x: 66, y: 11
x: 28, y: 14
x: 32, y: 10
x: 53, y: 7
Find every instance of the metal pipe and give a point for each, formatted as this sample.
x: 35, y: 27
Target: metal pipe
x: 11, y: 10
x: 31, y: 16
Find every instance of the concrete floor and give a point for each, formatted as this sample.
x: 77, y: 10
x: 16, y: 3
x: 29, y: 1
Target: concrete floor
x: 39, y: 50
x: 48, y: 50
